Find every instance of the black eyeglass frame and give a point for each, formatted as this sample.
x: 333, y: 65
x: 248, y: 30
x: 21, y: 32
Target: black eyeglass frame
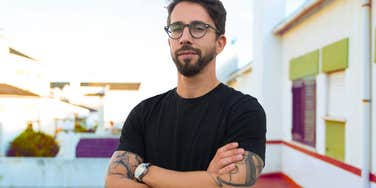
x: 190, y: 26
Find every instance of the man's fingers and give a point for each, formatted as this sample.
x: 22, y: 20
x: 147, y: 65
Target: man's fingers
x: 227, y: 169
x: 232, y: 152
x: 228, y: 147
x: 233, y: 159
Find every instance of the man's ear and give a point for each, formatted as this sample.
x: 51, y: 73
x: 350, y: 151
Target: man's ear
x: 221, y: 43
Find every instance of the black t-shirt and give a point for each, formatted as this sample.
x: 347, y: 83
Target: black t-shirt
x: 184, y: 134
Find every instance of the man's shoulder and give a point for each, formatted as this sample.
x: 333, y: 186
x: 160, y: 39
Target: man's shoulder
x: 236, y: 97
x: 150, y: 101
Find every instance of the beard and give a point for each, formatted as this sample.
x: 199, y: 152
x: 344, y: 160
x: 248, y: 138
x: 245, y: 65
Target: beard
x: 188, y: 67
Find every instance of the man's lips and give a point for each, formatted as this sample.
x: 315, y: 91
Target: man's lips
x: 187, y: 53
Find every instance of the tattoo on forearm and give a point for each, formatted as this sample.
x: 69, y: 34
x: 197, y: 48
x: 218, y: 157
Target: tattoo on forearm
x: 123, y: 163
x: 245, y: 173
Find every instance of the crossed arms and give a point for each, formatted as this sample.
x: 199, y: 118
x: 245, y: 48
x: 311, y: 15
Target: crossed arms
x: 230, y: 167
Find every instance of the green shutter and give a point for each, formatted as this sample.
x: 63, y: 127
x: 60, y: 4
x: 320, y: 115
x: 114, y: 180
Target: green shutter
x: 335, y: 56
x: 305, y: 65
x: 335, y: 139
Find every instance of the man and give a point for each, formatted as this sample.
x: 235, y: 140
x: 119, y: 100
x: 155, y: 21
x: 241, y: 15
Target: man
x: 200, y: 134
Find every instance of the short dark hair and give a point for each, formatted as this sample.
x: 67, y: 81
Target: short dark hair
x: 215, y: 9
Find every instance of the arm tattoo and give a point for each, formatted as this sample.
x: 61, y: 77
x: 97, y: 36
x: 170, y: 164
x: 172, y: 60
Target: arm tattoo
x: 124, y: 163
x: 245, y: 173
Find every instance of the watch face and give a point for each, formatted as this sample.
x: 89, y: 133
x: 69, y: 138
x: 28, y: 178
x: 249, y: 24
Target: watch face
x: 139, y: 170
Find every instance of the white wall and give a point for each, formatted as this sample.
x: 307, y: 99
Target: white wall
x: 273, y: 158
x: 317, y: 174
x: 373, y: 96
x: 373, y: 118
x: 267, y: 62
x: 337, y: 20
x: 52, y: 172
x: 246, y: 83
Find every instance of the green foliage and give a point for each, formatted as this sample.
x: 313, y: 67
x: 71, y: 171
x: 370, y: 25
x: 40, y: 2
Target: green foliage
x: 33, y: 144
x: 80, y: 126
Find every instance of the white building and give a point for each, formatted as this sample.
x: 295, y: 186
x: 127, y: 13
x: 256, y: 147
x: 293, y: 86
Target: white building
x: 24, y: 97
x: 310, y: 72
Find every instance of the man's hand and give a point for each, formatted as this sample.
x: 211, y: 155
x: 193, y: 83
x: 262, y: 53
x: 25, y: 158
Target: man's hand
x: 225, y: 159
x: 245, y: 174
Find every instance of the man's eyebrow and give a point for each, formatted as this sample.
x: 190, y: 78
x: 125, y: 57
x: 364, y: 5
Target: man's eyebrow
x: 193, y: 21
x: 177, y: 22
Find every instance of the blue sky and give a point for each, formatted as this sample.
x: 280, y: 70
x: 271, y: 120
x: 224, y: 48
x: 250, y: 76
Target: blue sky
x: 115, y: 40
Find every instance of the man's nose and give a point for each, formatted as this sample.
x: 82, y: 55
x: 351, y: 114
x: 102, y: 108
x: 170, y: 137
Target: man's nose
x: 186, y: 37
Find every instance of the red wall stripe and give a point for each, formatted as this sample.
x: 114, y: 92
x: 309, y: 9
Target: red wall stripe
x: 274, y: 142
x: 324, y: 158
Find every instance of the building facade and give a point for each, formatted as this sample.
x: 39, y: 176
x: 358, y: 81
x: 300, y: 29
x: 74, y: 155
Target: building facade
x: 316, y: 80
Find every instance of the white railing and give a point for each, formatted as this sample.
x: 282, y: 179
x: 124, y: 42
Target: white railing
x: 52, y: 172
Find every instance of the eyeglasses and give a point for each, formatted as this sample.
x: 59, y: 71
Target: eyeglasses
x: 197, y: 29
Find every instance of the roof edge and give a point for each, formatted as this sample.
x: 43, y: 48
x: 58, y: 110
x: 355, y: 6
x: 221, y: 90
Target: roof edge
x: 303, y: 12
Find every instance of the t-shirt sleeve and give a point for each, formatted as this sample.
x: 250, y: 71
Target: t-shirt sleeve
x: 247, y: 126
x: 131, y: 138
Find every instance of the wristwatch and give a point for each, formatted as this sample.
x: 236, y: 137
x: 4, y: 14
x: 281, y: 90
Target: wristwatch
x: 141, y: 171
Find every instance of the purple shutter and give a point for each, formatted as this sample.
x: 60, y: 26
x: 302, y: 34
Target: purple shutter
x: 96, y: 147
x: 310, y: 112
x: 298, y: 111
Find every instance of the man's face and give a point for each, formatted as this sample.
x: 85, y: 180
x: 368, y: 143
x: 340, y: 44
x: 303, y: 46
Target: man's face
x: 189, y: 54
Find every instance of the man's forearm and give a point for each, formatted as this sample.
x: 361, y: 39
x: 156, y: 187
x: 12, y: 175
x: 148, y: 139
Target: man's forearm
x: 244, y: 175
x: 163, y: 178
x: 115, y: 181
x: 120, y: 170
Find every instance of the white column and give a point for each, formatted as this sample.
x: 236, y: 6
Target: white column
x: 373, y: 103
x: 365, y: 58
x: 267, y: 64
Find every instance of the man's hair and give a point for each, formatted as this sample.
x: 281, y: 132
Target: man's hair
x: 215, y: 9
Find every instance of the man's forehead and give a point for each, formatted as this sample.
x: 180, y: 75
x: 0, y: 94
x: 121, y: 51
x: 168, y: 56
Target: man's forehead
x: 187, y: 12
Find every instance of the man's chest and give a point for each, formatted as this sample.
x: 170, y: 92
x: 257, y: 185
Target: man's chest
x: 184, y: 138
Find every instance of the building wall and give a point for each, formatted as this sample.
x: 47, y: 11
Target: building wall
x: 318, y: 173
x: 16, y: 111
x: 267, y: 63
x: 373, y: 99
x: 273, y: 160
x: 52, y: 172
x: 245, y: 83
x: 336, y: 21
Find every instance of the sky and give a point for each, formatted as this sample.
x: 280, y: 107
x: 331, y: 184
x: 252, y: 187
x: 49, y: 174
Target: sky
x: 112, y: 40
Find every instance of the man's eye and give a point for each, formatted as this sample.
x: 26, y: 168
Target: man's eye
x: 199, y: 27
x: 176, y: 28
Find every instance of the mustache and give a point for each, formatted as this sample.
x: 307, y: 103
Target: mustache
x: 187, y: 47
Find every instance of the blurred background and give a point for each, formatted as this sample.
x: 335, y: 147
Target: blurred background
x: 71, y: 71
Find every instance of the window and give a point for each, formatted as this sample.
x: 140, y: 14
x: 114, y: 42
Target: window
x: 304, y: 111
x: 335, y: 120
x: 336, y: 94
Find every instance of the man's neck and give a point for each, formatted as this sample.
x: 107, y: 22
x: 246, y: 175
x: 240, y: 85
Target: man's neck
x: 198, y: 85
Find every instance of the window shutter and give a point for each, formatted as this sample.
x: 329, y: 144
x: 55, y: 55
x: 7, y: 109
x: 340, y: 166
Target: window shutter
x: 310, y: 112
x: 335, y: 56
x: 298, y: 106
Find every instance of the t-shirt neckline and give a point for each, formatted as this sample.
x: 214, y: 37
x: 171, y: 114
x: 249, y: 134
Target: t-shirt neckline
x: 211, y: 92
